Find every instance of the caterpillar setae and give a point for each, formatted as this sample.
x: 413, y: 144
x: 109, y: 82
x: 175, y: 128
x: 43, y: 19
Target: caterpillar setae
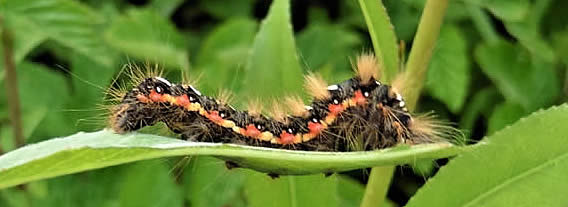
x: 360, y: 113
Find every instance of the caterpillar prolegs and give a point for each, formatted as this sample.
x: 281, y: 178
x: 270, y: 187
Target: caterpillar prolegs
x: 360, y: 113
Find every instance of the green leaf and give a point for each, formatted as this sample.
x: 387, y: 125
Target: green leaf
x: 92, y: 189
x: 405, y: 18
x: 69, y: 23
x: 508, y: 10
x: 523, y: 165
x: 350, y: 191
x: 483, y: 23
x: 85, y: 151
x: 309, y: 190
x: 560, y: 42
x: 228, y: 9
x: 351, y: 14
x: 223, y: 54
x: 529, y: 82
x: 503, y: 115
x: 207, y: 176
x: 145, y: 34
x: 532, y: 41
x: 383, y: 37
x: 31, y: 119
x: 43, y: 94
x: 36, y: 86
x: 25, y: 37
x: 273, y: 68
x: 165, y: 7
x: 315, y: 50
x: 448, y: 75
x: 528, y: 32
x: 149, y: 184
x: 482, y: 103
x: 89, y: 81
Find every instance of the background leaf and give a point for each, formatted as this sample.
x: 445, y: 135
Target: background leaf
x: 316, y: 52
x: 510, y: 10
x: 292, y: 191
x: 532, y: 84
x: 273, y: 57
x: 222, y: 56
x: 137, y: 190
x: 228, y: 9
x: 67, y: 22
x: 448, y: 73
x: 146, y: 35
x: 504, y: 115
x: 481, y: 105
x: 383, y: 37
x: 527, y: 158
x: 208, y: 175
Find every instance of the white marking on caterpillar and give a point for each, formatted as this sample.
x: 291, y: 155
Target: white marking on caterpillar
x: 333, y: 87
x: 195, y: 90
x: 164, y: 81
x: 398, y: 97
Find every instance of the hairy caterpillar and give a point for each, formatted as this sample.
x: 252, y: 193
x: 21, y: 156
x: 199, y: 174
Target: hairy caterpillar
x: 360, y: 113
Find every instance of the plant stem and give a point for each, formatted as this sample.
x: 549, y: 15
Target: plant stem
x: 421, y: 51
x: 413, y: 78
x: 11, y: 84
x: 377, y: 186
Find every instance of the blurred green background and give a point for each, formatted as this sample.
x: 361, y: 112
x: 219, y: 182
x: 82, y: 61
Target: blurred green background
x: 495, y: 62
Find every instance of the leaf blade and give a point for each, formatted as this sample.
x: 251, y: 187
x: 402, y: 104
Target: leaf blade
x: 383, y: 37
x: 69, y: 23
x: 145, y: 34
x: 534, y: 173
x: 85, y: 151
x: 273, y: 67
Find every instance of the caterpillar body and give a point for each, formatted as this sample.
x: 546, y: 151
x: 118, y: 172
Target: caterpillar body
x: 360, y: 113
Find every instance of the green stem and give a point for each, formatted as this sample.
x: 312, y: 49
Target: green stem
x: 377, y: 186
x: 413, y: 78
x: 421, y: 51
x: 11, y: 84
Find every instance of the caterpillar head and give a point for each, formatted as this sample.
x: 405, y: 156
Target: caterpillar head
x: 141, y: 105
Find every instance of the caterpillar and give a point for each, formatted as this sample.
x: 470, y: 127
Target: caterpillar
x: 360, y: 113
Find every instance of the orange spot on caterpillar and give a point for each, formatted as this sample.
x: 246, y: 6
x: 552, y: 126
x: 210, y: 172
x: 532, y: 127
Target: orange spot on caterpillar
x: 214, y: 116
x: 182, y: 100
x: 142, y: 98
x: 335, y: 108
x: 359, y: 98
x: 315, y: 128
x: 156, y: 97
x: 308, y: 137
x: 286, y: 138
x: 252, y: 131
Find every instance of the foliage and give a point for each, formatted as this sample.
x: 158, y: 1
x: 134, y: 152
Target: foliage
x: 494, y: 62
